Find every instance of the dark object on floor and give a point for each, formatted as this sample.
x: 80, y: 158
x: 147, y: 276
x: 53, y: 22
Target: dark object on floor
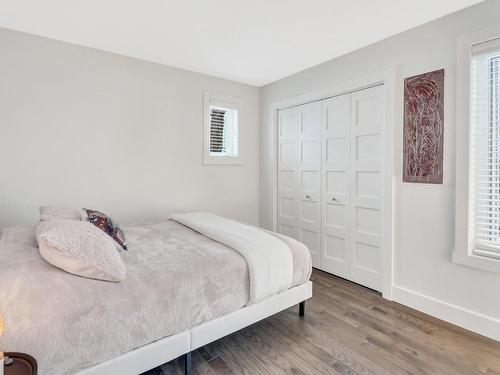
x: 22, y: 364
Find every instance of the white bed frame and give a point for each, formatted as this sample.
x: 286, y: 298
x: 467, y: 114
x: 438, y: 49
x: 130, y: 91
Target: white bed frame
x: 159, y: 352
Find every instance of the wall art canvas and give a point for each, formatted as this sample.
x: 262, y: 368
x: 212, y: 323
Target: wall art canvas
x: 423, y: 132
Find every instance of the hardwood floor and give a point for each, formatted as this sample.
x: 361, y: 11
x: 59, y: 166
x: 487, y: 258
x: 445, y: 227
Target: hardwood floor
x: 347, y: 329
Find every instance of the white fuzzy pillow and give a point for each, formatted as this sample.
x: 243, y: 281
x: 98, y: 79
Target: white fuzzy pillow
x: 59, y: 213
x: 80, y: 248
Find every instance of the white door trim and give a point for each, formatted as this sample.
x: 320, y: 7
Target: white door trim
x: 392, y: 80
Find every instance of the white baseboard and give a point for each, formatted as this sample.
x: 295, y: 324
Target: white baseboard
x: 468, y: 319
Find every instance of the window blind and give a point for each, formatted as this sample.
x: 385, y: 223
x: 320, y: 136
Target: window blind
x: 217, y: 130
x: 485, y: 148
x: 223, y: 132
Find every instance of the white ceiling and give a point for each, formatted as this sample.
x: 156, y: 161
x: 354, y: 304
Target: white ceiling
x: 252, y: 41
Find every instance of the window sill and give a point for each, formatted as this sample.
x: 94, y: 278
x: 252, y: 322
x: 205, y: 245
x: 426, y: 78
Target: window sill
x: 476, y: 261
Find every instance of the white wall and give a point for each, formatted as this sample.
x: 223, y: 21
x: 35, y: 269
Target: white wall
x: 425, y: 276
x: 82, y: 127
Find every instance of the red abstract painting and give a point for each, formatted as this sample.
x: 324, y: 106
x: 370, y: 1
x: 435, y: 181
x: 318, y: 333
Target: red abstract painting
x: 424, y: 128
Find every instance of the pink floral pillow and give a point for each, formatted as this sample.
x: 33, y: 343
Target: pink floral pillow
x: 107, y: 225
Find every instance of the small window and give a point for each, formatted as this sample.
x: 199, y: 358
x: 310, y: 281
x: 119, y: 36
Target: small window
x: 221, y: 130
x: 485, y: 149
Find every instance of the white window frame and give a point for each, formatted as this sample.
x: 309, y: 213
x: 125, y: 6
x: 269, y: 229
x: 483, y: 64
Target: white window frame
x: 464, y: 248
x: 223, y: 101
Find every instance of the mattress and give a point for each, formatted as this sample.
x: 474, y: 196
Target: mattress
x: 176, y: 279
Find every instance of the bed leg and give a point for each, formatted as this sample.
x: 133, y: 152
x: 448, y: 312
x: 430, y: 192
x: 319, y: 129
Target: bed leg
x: 188, y: 365
x: 302, y: 308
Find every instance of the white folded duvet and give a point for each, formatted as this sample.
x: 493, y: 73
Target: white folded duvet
x: 269, y: 259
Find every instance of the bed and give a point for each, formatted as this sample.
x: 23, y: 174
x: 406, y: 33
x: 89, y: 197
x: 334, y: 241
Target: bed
x: 183, y: 290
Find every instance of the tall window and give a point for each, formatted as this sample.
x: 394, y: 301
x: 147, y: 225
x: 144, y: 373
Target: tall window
x: 221, y: 130
x: 485, y: 149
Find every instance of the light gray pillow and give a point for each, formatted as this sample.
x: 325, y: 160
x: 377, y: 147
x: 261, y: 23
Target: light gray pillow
x: 80, y: 248
x: 20, y: 234
x: 59, y: 213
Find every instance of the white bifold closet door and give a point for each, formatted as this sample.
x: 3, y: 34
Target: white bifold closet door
x: 330, y: 182
x: 367, y: 142
x: 300, y: 176
x: 336, y: 247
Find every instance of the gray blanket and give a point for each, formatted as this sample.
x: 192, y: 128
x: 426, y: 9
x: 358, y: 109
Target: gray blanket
x: 176, y: 279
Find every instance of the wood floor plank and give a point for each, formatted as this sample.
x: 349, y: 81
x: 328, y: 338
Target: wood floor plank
x: 383, y: 330
x: 431, y: 330
x: 317, y: 360
x: 326, y: 350
x: 348, y: 329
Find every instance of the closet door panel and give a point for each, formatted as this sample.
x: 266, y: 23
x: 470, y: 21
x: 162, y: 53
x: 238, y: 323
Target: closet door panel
x: 310, y: 137
x: 309, y: 172
x: 367, y: 124
x: 330, y: 182
x: 335, y: 185
x: 288, y: 162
